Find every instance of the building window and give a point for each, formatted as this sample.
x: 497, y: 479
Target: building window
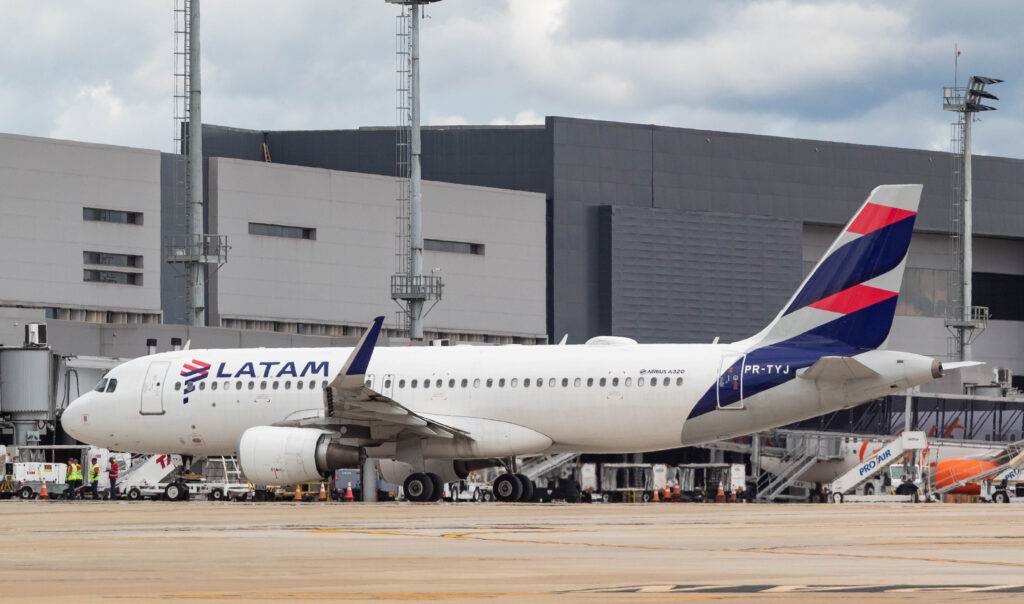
x: 119, y: 216
x: 126, y: 260
x: 280, y: 230
x: 458, y: 247
x: 117, y: 277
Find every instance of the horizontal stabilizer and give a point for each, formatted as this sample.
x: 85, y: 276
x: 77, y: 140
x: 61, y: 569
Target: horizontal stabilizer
x: 960, y: 365
x: 837, y: 369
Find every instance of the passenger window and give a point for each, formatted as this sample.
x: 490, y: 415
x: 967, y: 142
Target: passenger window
x: 501, y: 383
x: 111, y: 385
x: 476, y: 382
x: 213, y: 386
x: 551, y: 382
x: 263, y: 385
x: 654, y: 382
x: 202, y: 386
x: 426, y: 383
x: 565, y: 382
x: 274, y: 384
x: 238, y: 385
x: 526, y: 383
x: 465, y: 382
x: 401, y: 383
x: 288, y: 385
x: 101, y: 386
x: 451, y: 383
x: 603, y: 382
x: 590, y: 382
x: 368, y: 384
x: 312, y: 384
x: 639, y: 381
x: 323, y: 384
x: 414, y: 383
x: 615, y: 381
x: 629, y: 382
x: 664, y: 382
x: 177, y: 385
x: 490, y: 382
x: 438, y: 384
x: 387, y: 384
x: 515, y: 382
x: 252, y: 385
x: 298, y: 384
x: 540, y: 382
x: 576, y: 383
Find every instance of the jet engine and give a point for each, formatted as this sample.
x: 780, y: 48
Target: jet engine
x: 272, y: 455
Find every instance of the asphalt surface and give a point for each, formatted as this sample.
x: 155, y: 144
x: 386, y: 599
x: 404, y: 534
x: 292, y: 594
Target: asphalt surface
x: 101, y: 551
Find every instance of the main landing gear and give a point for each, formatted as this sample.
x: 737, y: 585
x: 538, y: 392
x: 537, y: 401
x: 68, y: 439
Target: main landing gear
x: 513, y: 487
x: 423, y: 486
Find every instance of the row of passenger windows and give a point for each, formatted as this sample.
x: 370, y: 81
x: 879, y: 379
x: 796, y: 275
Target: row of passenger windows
x: 538, y: 382
x: 274, y: 385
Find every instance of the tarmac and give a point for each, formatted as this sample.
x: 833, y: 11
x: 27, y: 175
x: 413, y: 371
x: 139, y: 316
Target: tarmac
x: 126, y: 551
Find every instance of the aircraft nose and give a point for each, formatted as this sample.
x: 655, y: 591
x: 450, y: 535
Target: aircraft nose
x: 75, y: 418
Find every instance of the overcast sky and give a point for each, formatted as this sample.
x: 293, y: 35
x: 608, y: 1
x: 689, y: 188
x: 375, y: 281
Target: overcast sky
x: 863, y: 72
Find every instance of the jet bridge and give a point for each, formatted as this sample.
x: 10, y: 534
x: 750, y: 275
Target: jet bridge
x: 912, y: 440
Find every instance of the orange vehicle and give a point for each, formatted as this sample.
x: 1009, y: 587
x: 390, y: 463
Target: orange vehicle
x: 951, y: 470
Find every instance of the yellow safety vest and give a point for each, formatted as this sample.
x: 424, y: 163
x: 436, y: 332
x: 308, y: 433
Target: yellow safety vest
x: 94, y: 473
x: 75, y: 473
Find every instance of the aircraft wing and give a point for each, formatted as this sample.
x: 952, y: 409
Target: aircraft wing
x: 837, y: 369
x: 349, y: 402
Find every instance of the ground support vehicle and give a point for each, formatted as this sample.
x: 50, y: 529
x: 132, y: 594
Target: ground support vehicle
x: 25, y: 480
x: 163, y: 477
x: 699, y: 482
x: 468, y: 490
x: 621, y: 482
x: 842, y: 488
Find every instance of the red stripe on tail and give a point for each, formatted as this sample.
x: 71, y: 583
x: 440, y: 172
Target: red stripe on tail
x: 874, y: 217
x: 853, y: 299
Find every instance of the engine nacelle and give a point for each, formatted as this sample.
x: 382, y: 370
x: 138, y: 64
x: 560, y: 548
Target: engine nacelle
x: 449, y: 470
x: 272, y: 455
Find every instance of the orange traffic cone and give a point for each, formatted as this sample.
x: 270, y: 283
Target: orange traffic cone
x: 43, y: 494
x: 348, y: 498
x: 298, y: 493
x: 720, y: 496
x: 676, y: 495
x: 655, y: 498
x: 668, y: 492
x: 323, y: 493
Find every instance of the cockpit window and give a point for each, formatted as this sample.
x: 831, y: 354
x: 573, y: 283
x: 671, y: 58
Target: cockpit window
x: 111, y: 385
x: 101, y: 386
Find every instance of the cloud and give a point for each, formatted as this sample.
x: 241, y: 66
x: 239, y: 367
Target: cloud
x: 526, y: 117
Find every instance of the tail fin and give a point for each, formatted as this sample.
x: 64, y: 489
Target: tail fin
x: 850, y: 296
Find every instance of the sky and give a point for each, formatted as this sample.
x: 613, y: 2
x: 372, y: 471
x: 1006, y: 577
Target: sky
x: 860, y: 72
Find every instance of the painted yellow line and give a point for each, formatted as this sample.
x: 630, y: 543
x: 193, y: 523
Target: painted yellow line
x: 336, y: 595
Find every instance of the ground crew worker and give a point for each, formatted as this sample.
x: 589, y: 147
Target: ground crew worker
x: 74, y: 477
x: 94, y: 476
x: 112, y: 475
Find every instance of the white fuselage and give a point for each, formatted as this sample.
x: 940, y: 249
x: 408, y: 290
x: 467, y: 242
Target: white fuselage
x: 586, y: 398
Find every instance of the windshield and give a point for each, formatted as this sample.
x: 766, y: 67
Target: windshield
x: 111, y: 384
x: 101, y: 386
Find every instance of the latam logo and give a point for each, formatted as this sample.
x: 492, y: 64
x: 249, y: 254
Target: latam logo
x: 871, y: 465
x: 193, y: 372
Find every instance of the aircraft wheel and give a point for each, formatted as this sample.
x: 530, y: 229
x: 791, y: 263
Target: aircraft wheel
x: 134, y: 494
x: 528, y: 488
x: 1000, y: 497
x: 507, y: 488
x: 418, y: 487
x: 837, y: 497
x: 438, y: 487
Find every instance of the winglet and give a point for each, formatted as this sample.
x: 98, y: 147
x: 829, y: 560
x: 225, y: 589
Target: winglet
x: 359, y: 360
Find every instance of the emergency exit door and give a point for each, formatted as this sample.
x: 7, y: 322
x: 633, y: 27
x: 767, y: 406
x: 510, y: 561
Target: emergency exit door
x: 152, y: 402
x: 730, y: 381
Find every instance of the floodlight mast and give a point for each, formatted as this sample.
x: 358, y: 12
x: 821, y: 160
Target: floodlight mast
x: 964, y: 320
x: 413, y: 288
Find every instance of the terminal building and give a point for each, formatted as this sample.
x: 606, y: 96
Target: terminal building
x: 575, y: 227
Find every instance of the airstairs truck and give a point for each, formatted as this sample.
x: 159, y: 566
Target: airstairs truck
x: 840, y: 489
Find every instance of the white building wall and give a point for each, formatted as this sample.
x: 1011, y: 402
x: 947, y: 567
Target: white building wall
x: 46, y: 184
x: 343, y: 276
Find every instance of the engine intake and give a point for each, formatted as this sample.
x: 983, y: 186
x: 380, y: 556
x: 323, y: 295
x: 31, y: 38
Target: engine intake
x: 272, y: 455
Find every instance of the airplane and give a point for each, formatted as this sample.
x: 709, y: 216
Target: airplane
x: 433, y: 414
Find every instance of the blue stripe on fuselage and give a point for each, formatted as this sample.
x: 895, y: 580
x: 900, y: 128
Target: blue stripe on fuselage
x: 777, y: 364
x: 862, y: 259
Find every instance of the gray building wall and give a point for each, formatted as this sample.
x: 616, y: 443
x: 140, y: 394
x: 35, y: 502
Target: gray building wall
x: 46, y: 185
x: 342, y: 277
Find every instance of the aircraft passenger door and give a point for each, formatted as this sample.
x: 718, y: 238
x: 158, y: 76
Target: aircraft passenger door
x: 730, y: 381
x: 152, y: 402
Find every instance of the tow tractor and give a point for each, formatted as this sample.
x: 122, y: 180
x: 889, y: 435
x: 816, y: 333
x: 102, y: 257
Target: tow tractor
x: 840, y: 489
